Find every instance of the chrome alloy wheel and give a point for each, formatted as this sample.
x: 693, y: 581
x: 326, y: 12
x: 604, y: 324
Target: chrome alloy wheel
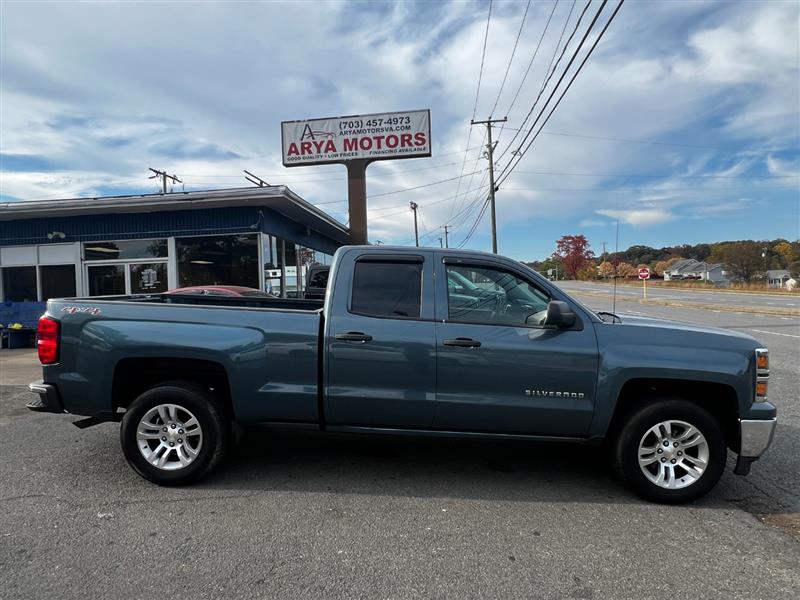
x: 673, y: 454
x: 169, y: 437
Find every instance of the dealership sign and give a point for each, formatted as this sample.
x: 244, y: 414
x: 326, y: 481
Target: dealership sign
x: 372, y: 137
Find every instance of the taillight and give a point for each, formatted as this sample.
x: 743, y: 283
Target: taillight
x: 762, y: 374
x: 47, y: 340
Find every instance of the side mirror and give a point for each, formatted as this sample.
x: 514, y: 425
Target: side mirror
x: 559, y: 315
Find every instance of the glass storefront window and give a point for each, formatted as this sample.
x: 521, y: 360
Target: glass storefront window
x: 19, y: 284
x: 125, y: 249
x: 320, y: 258
x: 218, y: 260
x: 148, y: 278
x: 106, y: 280
x: 58, y: 281
x: 272, y: 270
x: 288, y: 261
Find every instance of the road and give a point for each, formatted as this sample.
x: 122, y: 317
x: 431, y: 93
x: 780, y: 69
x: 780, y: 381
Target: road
x: 312, y: 516
x: 769, y: 302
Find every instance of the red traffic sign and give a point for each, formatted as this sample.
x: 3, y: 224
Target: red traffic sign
x: 644, y: 273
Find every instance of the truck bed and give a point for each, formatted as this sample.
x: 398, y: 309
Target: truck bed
x: 212, y: 300
x: 270, y: 348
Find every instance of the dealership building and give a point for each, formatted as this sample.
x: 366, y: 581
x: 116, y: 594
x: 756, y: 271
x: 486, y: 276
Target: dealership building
x: 262, y: 238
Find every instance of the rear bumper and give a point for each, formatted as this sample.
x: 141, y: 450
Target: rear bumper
x: 49, y: 399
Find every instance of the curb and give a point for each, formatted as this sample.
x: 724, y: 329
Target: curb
x: 757, y: 311
x: 703, y: 290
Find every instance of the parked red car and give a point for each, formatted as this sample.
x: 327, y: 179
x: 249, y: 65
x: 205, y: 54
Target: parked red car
x: 221, y: 290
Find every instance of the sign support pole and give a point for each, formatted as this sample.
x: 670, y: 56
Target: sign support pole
x: 357, y: 199
x: 644, y: 288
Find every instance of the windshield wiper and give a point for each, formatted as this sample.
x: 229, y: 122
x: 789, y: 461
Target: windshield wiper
x: 610, y: 314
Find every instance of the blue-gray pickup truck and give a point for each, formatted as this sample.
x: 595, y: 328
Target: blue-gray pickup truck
x: 410, y: 341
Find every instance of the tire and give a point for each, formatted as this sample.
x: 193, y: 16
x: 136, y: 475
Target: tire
x: 200, y: 437
x: 674, y: 472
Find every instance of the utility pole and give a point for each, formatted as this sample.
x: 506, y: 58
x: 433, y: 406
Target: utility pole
x: 416, y: 232
x: 164, y: 176
x: 441, y: 245
x: 446, y: 244
x: 604, y: 249
x: 492, y: 189
x: 254, y: 179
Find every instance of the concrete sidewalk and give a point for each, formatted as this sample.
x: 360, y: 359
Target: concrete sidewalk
x: 19, y: 367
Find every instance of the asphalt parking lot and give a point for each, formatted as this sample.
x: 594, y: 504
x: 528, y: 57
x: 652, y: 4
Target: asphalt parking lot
x: 304, y: 515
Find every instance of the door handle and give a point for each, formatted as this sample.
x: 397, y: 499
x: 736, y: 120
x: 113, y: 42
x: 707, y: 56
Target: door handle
x: 462, y: 343
x: 353, y: 336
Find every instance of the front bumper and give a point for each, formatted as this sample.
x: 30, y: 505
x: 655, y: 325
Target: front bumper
x: 755, y: 437
x: 48, y: 400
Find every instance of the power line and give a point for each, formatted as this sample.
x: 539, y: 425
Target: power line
x: 469, y: 207
x: 662, y: 176
x: 416, y: 187
x: 533, y: 58
x: 551, y: 68
x: 405, y: 209
x: 662, y: 189
x: 510, y: 60
x: 483, y: 57
x: 382, y: 208
x: 469, y: 183
x: 475, y: 224
x: 475, y: 105
x: 632, y: 141
x: 510, y: 167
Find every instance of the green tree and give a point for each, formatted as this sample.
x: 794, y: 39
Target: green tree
x: 743, y: 260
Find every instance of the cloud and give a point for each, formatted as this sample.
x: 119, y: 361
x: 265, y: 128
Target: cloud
x: 592, y: 223
x: 183, y: 148
x: 717, y: 80
x: 640, y: 217
x: 783, y: 168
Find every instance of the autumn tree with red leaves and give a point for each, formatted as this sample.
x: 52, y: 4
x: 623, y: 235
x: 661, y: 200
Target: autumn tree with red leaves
x: 573, y: 253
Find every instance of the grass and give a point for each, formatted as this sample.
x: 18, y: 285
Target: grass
x: 702, y: 285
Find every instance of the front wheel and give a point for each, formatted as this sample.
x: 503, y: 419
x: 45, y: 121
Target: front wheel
x: 671, y: 451
x: 174, y: 434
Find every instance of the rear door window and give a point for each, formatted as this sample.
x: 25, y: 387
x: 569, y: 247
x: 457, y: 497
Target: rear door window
x: 387, y: 289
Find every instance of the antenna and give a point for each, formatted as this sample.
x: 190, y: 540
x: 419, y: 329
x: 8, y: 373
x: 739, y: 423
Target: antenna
x: 255, y: 179
x: 164, y: 176
x: 616, y: 264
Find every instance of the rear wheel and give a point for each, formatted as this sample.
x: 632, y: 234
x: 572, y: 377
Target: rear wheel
x: 174, y: 433
x: 671, y: 451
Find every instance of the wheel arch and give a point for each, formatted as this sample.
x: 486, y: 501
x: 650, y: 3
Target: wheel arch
x: 719, y: 399
x: 132, y: 376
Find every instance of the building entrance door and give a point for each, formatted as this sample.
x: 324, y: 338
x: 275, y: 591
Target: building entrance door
x: 126, y: 278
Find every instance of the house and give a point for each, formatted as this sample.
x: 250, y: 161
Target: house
x: 777, y: 278
x: 691, y: 269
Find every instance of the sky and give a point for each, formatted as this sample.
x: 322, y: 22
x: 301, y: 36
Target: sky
x: 684, y: 125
